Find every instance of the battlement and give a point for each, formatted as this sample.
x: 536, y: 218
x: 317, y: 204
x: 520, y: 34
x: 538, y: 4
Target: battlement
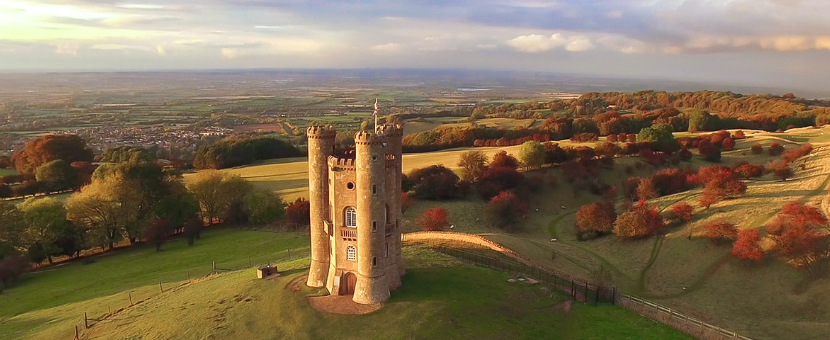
x: 365, y: 137
x: 342, y: 163
x: 391, y: 130
x: 321, y: 132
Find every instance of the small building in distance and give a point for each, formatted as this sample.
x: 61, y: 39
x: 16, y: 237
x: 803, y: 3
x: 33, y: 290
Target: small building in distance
x: 356, y: 213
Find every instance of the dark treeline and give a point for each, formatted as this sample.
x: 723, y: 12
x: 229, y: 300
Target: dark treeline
x: 232, y: 152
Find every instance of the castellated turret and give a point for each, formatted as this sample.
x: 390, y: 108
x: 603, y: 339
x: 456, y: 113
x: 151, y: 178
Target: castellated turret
x: 356, y: 214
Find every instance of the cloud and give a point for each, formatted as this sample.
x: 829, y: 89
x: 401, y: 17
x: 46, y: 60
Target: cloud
x: 389, y: 48
x: 535, y: 43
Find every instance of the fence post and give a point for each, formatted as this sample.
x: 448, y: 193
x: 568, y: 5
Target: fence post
x: 160, y: 287
x: 109, y: 309
x: 131, y: 298
x: 586, y: 292
x: 573, y: 292
x: 86, y: 321
x: 214, y: 267
x: 614, y: 296
x: 188, y: 275
x: 77, y: 336
x: 596, y: 296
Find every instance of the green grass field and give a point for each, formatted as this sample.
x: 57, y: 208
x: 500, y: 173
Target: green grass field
x: 440, y: 298
x: 135, y: 267
x: 6, y: 172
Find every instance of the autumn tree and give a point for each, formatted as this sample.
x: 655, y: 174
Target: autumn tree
x: 641, y: 221
x: 498, y: 179
x: 748, y: 171
x: 646, y: 189
x: 780, y: 170
x: 595, y: 219
x: 473, y: 165
x: 757, y: 149
x: 775, y: 149
x: 506, y: 210
x: 435, y: 182
x: 406, y: 201
x: 192, y: 229
x: 298, y: 212
x: 683, y: 211
x: 504, y: 160
x: 434, y: 219
x: 721, y: 185
x: 747, y: 245
x: 800, y: 235
x: 532, y: 154
x: 720, y: 231
x: 157, y: 232
x: 69, y: 148
x: 727, y: 144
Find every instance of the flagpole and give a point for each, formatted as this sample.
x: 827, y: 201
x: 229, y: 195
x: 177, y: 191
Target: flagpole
x: 375, y: 113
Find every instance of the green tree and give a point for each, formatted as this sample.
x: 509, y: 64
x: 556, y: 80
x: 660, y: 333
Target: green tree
x: 45, y: 220
x: 473, y: 165
x: 660, y: 135
x: 263, y: 206
x: 57, y: 175
x: 12, y: 228
x: 218, y: 193
x: 698, y: 120
x: 532, y: 154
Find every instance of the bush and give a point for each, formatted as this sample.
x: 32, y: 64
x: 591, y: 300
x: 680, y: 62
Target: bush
x: 727, y: 144
x: 641, y: 221
x: 298, y: 212
x: 11, y: 267
x: 801, y: 151
x: 406, y: 201
x: 595, y: 219
x: 709, y: 152
x: 435, y: 182
x: 683, y: 211
x: 503, y: 160
x: 781, y: 170
x: 757, y: 149
x: 473, y: 165
x: 775, y: 149
x: 498, y: 179
x: 506, y: 210
x: 720, y: 231
x: 263, y: 206
x: 532, y: 154
x: 156, y: 232
x: 746, y: 246
x: 747, y: 170
x: 193, y: 229
x: 434, y: 219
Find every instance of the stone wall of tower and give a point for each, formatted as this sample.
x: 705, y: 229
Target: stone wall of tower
x: 393, y: 134
x: 370, y: 162
x: 321, y: 142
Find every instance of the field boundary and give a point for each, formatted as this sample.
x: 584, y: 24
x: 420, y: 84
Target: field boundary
x: 579, y: 290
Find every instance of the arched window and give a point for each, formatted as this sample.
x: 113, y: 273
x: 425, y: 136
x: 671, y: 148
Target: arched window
x: 351, y: 253
x: 351, y: 217
x: 387, y: 215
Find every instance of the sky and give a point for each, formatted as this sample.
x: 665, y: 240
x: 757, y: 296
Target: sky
x: 754, y: 42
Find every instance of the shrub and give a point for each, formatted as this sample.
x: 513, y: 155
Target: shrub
x: 434, y: 219
x: 156, y: 232
x: 709, y: 152
x: 645, y: 189
x: 720, y: 186
x: 406, y: 201
x: 671, y: 181
x: 506, y: 210
x: 719, y: 231
x: 499, y: 179
x: 595, y: 219
x: 473, y: 165
x: 728, y: 144
x: 193, y: 229
x: 263, y: 206
x: 683, y: 211
x: 739, y: 135
x: 801, y: 151
x: 641, y: 221
x: 746, y: 246
x: 685, y: 154
x: 435, y: 182
x: 503, y: 160
x: 775, y: 149
x: 781, y: 170
x: 11, y: 267
x: 757, y: 149
x: 747, y: 170
x: 298, y: 212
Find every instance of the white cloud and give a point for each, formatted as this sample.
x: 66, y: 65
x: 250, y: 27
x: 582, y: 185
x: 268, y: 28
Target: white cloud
x: 389, y: 48
x: 229, y: 53
x: 67, y: 49
x: 535, y: 43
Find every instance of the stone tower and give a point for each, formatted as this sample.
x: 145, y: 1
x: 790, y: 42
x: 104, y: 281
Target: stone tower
x: 356, y: 214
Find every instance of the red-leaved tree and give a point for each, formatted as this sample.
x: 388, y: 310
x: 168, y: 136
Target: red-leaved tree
x: 720, y: 231
x: 435, y: 219
x: 596, y: 219
x: 406, y: 201
x: 298, y: 212
x: 746, y: 246
x: 506, y: 210
x: 800, y: 235
x: 683, y: 211
x: 641, y: 221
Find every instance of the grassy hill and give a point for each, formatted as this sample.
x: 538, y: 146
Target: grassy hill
x: 441, y: 298
x: 765, y: 300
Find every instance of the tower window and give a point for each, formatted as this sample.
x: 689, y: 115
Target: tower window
x: 387, y: 250
x: 351, y: 217
x: 350, y: 185
x: 351, y: 253
x: 374, y: 226
x: 374, y: 261
x: 374, y: 189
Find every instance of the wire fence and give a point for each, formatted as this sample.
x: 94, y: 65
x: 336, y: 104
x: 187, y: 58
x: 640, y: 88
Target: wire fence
x: 169, y: 282
x: 585, y: 292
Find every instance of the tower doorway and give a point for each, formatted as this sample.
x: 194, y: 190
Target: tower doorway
x: 347, y: 284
